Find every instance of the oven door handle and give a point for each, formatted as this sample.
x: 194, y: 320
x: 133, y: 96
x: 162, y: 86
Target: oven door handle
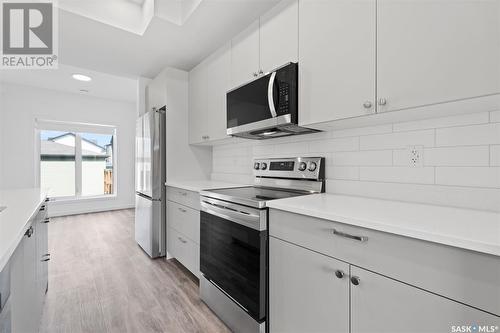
x: 233, y: 215
x: 270, y: 98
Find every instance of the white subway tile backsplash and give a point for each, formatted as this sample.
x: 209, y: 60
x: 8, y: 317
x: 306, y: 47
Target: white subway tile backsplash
x: 369, y: 157
x: 495, y: 155
x: 495, y: 116
x: 397, y: 174
x: 342, y: 172
x: 464, y: 197
x: 333, y: 145
x: 381, y: 129
x: 469, y: 176
x: 456, y: 156
x: 460, y: 120
x: 461, y: 160
x: 263, y: 150
x: 469, y: 135
x: 397, y: 140
x: 291, y: 149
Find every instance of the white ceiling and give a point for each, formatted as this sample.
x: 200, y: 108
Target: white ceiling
x: 102, y: 85
x: 87, y: 43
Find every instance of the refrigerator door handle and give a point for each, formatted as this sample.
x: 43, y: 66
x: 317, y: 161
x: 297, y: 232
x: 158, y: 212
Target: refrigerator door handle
x: 147, y: 196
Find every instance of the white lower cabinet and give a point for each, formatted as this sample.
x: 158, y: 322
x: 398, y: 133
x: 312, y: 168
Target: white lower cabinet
x: 183, y: 228
x: 305, y: 293
x: 381, y: 304
x: 184, y: 250
x: 29, y: 275
x: 317, y: 284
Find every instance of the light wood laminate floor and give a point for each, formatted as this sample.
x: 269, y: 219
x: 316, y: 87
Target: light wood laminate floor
x: 101, y: 281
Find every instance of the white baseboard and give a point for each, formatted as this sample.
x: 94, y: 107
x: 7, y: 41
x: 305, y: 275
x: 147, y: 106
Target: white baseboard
x: 60, y: 211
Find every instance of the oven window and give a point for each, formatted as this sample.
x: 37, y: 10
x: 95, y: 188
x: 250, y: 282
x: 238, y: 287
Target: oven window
x: 234, y: 257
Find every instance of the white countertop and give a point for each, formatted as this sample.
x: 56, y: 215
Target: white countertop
x: 464, y: 228
x: 199, y: 185
x: 21, y: 205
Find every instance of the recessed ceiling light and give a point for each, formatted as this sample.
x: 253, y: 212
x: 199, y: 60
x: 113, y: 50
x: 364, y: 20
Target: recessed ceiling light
x: 84, y: 91
x: 81, y: 77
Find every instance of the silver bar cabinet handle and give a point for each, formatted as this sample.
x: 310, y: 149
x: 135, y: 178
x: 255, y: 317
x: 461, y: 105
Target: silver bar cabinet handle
x: 346, y: 235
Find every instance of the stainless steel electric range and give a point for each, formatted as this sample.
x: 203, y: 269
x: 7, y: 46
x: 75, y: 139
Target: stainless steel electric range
x: 234, y: 238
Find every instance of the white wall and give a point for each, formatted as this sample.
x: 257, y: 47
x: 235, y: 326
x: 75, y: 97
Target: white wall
x: 461, y: 162
x: 21, y: 105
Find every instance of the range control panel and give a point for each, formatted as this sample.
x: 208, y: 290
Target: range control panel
x: 293, y: 168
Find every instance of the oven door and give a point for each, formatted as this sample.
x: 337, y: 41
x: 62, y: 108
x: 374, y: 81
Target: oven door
x: 269, y: 101
x: 233, y: 242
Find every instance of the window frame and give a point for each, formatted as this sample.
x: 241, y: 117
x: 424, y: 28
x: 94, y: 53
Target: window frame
x: 77, y: 129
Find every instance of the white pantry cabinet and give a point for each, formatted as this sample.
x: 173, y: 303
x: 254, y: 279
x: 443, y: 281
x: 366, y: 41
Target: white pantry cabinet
x: 436, y: 51
x: 336, y: 59
x: 208, y: 84
x: 279, y: 30
x: 245, y: 55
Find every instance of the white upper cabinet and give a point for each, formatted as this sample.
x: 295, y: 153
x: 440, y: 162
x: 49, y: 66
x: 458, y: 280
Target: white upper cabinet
x: 279, y: 29
x: 336, y: 59
x: 156, y: 95
x: 208, y: 84
x: 436, y: 51
x: 218, y: 81
x: 245, y: 55
x: 197, y: 103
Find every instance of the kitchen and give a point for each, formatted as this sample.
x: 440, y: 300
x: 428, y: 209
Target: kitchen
x: 292, y: 166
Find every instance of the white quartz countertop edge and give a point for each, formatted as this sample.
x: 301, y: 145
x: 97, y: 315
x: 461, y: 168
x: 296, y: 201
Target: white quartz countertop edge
x: 200, y: 185
x: 323, y: 206
x: 21, y: 223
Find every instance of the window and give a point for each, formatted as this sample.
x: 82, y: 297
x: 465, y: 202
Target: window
x: 77, y: 160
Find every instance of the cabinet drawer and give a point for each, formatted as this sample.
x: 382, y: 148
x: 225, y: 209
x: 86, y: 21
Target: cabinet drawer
x: 184, y: 219
x: 466, y: 276
x: 184, y: 250
x: 184, y: 197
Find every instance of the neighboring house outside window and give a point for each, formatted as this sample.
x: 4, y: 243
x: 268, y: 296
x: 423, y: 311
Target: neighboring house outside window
x: 76, y: 164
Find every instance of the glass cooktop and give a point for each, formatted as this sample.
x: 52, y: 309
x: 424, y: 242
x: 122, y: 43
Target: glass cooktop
x: 250, y: 195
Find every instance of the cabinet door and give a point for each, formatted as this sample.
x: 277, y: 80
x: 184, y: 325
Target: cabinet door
x: 436, y: 51
x: 42, y: 257
x: 245, y: 55
x: 304, y: 293
x: 218, y: 80
x: 336, y: 59
x: 156, y: 93
x: 380, y: 304
x: 25, y: 317
x: 197, y: 103
x: 279, y: 35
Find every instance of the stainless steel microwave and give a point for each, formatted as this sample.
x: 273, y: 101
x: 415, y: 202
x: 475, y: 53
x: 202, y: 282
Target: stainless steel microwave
x: 266, y: 107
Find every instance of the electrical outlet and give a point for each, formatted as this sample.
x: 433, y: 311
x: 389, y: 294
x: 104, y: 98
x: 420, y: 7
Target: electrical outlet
x: 416, y: 156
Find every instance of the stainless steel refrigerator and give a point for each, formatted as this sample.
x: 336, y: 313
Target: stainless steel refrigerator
x: 150, y: 177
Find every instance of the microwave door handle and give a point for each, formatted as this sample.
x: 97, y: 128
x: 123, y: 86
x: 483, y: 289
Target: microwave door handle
x: 270, y: 98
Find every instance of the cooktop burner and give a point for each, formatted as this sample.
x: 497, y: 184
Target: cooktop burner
x: 276, y: 178
x: 251, y: 195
